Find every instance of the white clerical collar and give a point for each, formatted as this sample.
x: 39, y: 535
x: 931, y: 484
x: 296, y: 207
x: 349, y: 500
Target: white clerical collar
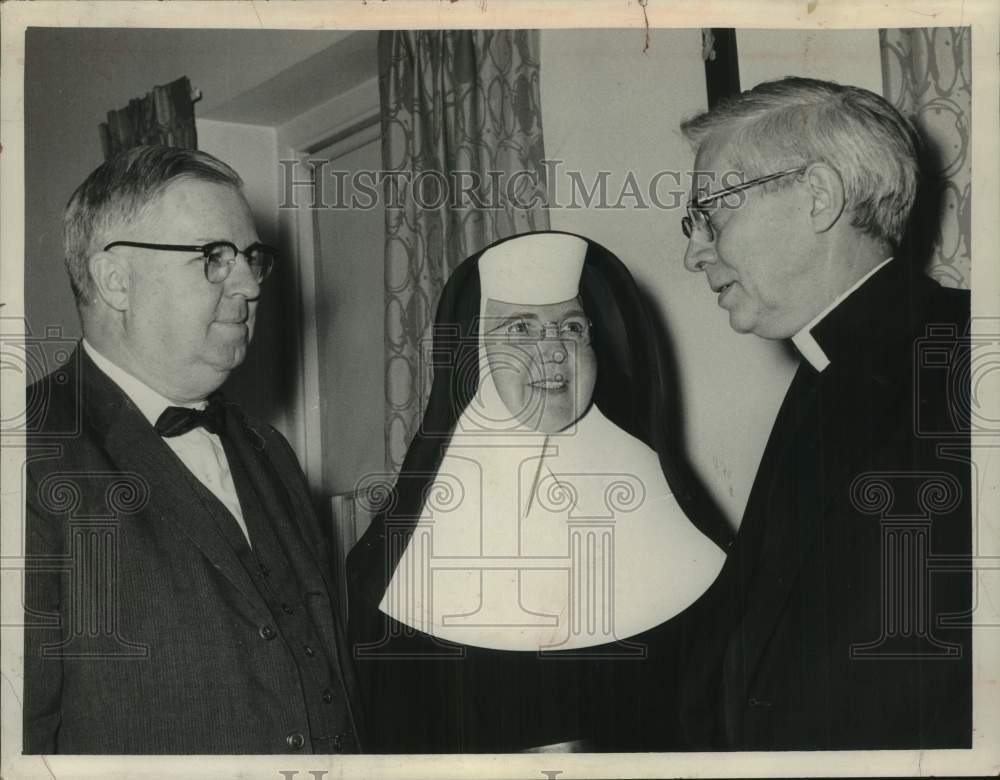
x: 146, y: 399
x: 804, y: 342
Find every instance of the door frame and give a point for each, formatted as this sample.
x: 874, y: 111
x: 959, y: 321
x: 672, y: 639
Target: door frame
x: 346, y: 122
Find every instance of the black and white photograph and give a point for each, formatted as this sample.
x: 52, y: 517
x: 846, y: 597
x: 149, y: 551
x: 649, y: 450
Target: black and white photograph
x: 527, y: 389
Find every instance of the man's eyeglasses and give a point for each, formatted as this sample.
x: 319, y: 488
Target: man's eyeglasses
x: 220, y: 257
x: 697, y: 219
x: 528, y: 330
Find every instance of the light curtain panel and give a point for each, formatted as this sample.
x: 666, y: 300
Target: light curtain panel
x: 456, y: 100
x: 927, y: 75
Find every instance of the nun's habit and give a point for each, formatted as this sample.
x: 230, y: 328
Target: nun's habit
x: 519, y: 589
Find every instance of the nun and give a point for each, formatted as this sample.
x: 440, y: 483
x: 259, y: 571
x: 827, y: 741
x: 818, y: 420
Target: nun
x: 520, y: 588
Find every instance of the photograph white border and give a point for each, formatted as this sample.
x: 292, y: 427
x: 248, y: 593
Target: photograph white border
x: 981, y: 15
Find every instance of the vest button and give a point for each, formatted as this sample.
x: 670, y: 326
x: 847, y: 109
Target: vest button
x: 287, y: 609
x: 295, y: 740
x: 266, y: 632
x: 308, y: 651
x: 328, y: 696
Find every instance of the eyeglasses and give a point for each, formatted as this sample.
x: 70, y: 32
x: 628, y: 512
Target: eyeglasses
x: 697, y: 219
x: 220, y: 257
x: 526, y: 330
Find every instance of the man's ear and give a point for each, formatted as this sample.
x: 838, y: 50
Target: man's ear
x: 827, y: 190
x: 112, y: 280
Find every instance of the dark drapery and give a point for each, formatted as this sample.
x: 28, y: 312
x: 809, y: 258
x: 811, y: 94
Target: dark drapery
x: 164, y: 117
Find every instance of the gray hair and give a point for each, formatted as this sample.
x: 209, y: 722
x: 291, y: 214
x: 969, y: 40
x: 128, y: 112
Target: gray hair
x: 118, y: 192
x: 797, y: 121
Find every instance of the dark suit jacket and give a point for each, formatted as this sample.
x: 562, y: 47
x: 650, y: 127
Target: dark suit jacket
x: 145, y: 633
x: 837, y: 621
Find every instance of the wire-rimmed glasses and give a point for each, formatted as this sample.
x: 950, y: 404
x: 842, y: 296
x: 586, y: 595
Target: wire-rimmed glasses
x: 697, y: 219
x: 529, y: 330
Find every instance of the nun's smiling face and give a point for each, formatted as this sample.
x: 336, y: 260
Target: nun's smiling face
x: 541, y: 361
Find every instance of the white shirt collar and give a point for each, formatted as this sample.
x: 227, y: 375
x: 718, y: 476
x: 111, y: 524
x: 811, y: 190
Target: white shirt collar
x: 804, y: 342
x: 146, y: 399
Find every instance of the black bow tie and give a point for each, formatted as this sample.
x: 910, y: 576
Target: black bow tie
x: 178, y: 420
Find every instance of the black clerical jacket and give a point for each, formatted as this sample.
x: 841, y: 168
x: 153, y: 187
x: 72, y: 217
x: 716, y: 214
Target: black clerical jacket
x: 840, y: 618
x: 152, y: 627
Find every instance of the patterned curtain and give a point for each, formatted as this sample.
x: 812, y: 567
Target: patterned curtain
x: 165, y: 117
x: 927, y: 75
x: 462, y: 150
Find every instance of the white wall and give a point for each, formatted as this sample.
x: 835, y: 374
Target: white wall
x: 847, y: 56
x: 607, y: 105
x: 350, y: 314
x: 266, y: 382
x: 73, y: 77
x: 252, y: 151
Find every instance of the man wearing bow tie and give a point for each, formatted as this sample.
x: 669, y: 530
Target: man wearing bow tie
x: 179, y: 593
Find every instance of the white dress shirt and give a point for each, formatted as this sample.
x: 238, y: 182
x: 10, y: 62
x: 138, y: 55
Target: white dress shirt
x: 199, y: 450
x: 804, y: 342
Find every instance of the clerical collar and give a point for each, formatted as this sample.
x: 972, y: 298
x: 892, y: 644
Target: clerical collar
x: 804, y: 342
x: 146, y: 399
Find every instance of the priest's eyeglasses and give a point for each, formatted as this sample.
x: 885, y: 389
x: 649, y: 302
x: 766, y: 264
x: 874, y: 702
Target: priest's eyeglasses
x: 698, y: 221
x: 530, y: 330
x: 219, y: 256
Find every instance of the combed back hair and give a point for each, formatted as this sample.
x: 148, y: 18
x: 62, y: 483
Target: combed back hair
x: 797, y: 121
x: 118, y: 192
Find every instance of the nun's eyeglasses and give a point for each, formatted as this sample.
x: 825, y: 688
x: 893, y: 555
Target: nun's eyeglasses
x: 527, y: 330
x: 698, y: 222
x: 219, y: 256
